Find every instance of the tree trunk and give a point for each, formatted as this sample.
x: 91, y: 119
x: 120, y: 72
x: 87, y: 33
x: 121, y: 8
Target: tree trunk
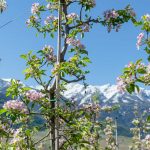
x: 52, y: 121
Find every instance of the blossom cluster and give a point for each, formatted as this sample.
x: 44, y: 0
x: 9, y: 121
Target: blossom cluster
x: 122, y: 83
x: 6, y: 127
x: 33, y: 95
x: 110, y: 14
x: 146, y: 142
x: 85, y: 27
x: 15, y: 105
x: 3, y: 5
x: 50, y: 6
x: 16, y: 137
x: 49, y: 53
x: 90, y: 3
x: 108, y: 131
x: 109, y: 17
x: 35, y: 8
x: 132, y: 72
x: 140, y: 39
x: 92, y: 107
x: 113, y: 19
x: 50, y: 19
x: 32, y: 20
x: 72, y: 16
x: 75, y: 42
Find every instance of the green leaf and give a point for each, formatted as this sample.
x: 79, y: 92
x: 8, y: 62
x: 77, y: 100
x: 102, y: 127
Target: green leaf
x: 131, y: 88
x: 82, y: 35
x: 2, y: 111
x: 148, y: 119
x: 148, y: 58
x: 138, y: 61
x: 141, y: 70
x: 52, y: 35
x: 28, y: 132
x: 24, y: 56
x: 147, y: 50
x: 86, y: 59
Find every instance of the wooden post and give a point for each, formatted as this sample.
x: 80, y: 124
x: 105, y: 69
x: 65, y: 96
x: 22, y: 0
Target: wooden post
x: 58, y: 75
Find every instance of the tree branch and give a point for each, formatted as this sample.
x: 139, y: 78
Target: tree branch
x: 75, y: 80
x: 85, y: 22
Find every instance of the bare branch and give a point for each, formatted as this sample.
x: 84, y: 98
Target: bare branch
x: 75, y: 80
x: 42, y: 138
x: 85, y: 22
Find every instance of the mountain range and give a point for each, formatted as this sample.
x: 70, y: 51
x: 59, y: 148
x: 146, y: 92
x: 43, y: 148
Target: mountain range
x: 107, y: 95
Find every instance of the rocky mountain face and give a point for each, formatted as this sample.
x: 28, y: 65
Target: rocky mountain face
x: 107, y: 95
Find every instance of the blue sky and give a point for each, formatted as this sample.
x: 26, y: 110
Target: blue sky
x: 109, y: 52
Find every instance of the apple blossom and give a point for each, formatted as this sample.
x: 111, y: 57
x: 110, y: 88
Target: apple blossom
x: 16, y: 137
x: 72, y: 16
x: 32, y: 20
x: 91, y: 3
x: 50, y: 19
x: 3, y: 5
x: 85, y: 27
x: 140, y: 39
x: 35, y: 8
x: 33, y: 95
x: 49, y: 53
x: 110, y: 14
x: 15, y: 105
x: 75, y: 42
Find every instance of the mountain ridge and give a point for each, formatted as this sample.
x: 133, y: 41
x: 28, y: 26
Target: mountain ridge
x: 107, y: 95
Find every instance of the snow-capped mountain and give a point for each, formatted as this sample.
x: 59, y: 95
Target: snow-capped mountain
x: 107, y: 95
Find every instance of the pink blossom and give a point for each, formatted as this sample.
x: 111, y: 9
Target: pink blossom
x: 72, y: 16
x: 49, y: 53
x: 3, y: 5
x: 50, y: 19
x: 32, y: 19
x: 15, y: 105
x: 35, y: 8
x: 75, y: 42
x: 48, y: 48
x: 71, y: 41
x: 17, y: 136
x: 140, y: 39
x: 33, y: 95
x: 147, y: 137
x: 85, y: 27
x: 121, y: 85
x: 91, y: 3
x: 110, y: 14
x: 129, y: 65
